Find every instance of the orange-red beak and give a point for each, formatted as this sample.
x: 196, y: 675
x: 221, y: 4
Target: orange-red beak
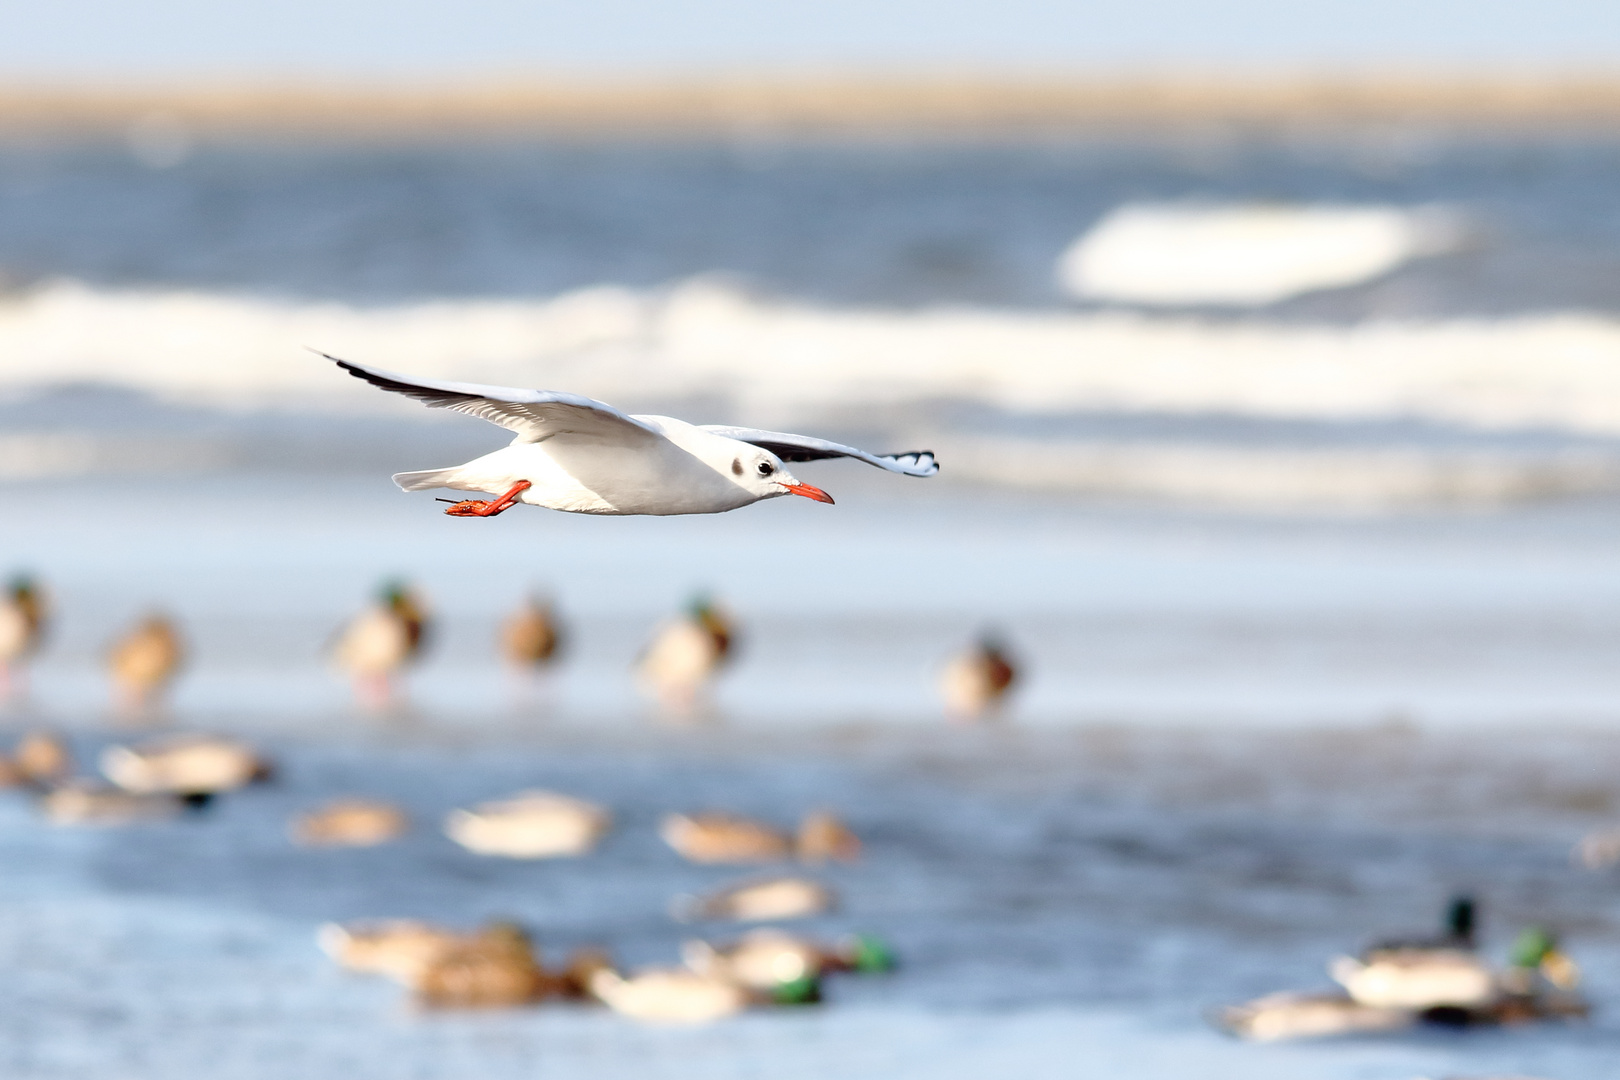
x: 809, y: 492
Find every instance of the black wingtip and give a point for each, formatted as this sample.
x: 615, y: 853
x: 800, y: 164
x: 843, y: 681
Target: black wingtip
x: 352, y: 368
x: 919, y: 458
x: 366, y: 375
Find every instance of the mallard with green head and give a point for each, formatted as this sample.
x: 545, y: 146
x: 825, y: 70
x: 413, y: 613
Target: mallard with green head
x: 23, y: 614
x: 381, y: 642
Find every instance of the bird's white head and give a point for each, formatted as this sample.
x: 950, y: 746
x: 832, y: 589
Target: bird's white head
x: 762, y: 474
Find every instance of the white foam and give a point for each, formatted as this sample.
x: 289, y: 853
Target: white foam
x: 780, y: 361
x: 1244, y: 254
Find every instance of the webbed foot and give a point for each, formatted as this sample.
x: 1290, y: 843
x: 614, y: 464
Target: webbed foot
x: 486, y: 508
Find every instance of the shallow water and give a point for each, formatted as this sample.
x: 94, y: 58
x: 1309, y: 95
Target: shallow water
x: 1055, y: 899
x: 1245, y: 744
x: 1121, y: 614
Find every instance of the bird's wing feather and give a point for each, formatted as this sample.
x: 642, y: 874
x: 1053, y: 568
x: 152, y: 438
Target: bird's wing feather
x: 536, y: 415
x: 803, y: 448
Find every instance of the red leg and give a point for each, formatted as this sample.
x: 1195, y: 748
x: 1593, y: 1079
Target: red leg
x: 484, y: 508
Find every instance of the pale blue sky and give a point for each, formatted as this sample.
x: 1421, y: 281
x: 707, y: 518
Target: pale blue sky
x: 470, y: 38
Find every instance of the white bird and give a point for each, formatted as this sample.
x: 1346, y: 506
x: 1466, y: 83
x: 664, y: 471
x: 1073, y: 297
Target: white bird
x: 586, y: 457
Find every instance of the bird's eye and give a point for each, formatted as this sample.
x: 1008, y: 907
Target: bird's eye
x: 766, y: 468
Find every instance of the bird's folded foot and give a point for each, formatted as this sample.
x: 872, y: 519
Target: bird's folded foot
x: 471, y: 508
x: 486, y: 508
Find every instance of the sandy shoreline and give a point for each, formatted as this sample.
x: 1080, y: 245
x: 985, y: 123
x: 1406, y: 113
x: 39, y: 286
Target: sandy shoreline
x: 838, y: 106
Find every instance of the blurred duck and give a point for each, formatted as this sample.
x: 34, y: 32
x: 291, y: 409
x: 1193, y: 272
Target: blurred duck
x: 722, y: 838
x: 496, y: 967
x: 145, y: 661
x: 1416, y: 979
x: 85, y: 802
x: 530, y: 825
x: 715, y: 837
x: 762, y: 960
x: 975, y: 683
x: 781, y: 964
x: 493, y: 966
x: 531, y: 637
x: 1403, y: 982
x: 349, y: 823
x: 397, y: 948
x: 1291, y: 1015
x: 1541, y: 979
x: 1422, y: 973
x: 685, y: 655
x: 1598, y: 850
x: 40, y: 760
x: 193, y: 767
x: 23, y: 614
x: 669, y: 995
x: 380, y: 642
x: 823, y: 838
x: 758, y: 901
x: 1459, y: 929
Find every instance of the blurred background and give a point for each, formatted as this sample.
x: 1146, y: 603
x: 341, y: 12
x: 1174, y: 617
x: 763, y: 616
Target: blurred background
x: 1267, y: 597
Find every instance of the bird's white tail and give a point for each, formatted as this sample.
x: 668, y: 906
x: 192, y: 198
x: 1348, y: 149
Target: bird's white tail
x: 427, y: 478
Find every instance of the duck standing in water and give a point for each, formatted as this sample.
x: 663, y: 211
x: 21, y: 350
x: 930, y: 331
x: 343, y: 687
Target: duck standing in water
x: 685, y: 656
x: 531, y: 638
x: 23, y: 614
x: 379, y: 642
x: 975, y: 682
x: 145, y: 661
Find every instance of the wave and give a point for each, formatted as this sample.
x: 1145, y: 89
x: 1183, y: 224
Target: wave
x: 1237, y: 413
x: 1247, y: 254
x: 708, y: 339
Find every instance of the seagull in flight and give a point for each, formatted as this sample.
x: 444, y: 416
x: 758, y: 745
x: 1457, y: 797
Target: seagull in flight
x: 576, y: 454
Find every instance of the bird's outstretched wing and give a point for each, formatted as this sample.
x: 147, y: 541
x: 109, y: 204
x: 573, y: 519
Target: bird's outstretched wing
x: 536, y: 415
x: 803, y: 448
